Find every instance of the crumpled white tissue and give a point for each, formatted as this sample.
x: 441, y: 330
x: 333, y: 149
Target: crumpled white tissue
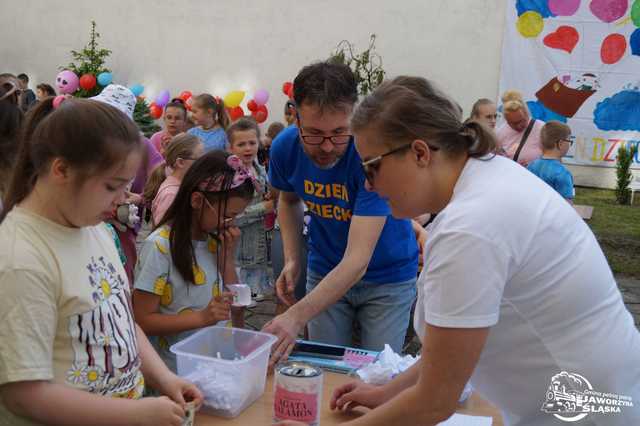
x: 389, y: 364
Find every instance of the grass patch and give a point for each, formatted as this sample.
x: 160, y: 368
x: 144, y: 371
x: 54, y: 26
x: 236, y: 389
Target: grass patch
x: 616, y: 227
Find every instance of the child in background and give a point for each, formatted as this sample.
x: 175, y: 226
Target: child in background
x: 175, y: 118
x: 252, y: 254
x: 273, y: 130
x: 71, y: 352
x: 44, y: 90
x: 290, y: 113
x: 556, y: 141
x: 187, y: 258
x: 162, y: 186
x: 211, y: 121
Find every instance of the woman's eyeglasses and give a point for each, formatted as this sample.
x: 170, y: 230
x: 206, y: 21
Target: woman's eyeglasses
x: 372, y: 166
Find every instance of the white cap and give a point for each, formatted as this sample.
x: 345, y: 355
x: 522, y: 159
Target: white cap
x: 119, y: 97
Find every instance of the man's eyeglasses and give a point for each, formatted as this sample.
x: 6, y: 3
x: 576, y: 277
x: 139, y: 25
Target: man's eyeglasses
x: 372, y: 166
x: 316, y: 140
x: 569, y: 141
x: 319, y: 139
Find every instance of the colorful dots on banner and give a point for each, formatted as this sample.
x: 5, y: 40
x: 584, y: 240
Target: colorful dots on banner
x: 634, y: 42
x: 530, y: 24
x: 564, y: 7
x: 608, y: 10
x: 564, y: 38
x: 635, y: 13
x: 613, y: 48
x: 540, y: 6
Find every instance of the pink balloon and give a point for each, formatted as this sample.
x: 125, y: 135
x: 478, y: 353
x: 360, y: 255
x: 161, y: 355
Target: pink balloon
x: 564, y: 7
x: 67, y: 82
x: 261, y: 97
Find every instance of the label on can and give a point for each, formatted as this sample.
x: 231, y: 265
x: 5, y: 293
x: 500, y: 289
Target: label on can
x: 299, y: 406
x: 297, y: 393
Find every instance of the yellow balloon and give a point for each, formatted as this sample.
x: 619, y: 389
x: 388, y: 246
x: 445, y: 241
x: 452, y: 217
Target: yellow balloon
x: 233, y: 99
x: 530, y: 24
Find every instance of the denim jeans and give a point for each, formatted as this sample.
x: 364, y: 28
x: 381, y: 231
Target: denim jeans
x: 382, y: 310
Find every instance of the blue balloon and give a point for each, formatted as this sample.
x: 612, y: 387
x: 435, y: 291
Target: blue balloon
x: 104, y: 78
x: 137, y: 89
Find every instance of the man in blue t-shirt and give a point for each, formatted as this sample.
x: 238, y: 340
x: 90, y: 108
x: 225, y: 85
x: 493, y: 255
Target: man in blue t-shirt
x: 362, y: 263
x: 555, y: 138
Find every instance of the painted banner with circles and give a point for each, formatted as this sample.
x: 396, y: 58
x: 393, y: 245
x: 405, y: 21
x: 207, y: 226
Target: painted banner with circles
x: 578, y: 62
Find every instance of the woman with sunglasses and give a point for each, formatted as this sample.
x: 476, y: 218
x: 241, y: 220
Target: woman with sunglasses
x: 516, y: 296
x: 556, y: 141
x: 362, y: 263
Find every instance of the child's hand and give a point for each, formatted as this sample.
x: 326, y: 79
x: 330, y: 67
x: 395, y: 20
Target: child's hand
x: 218, y: 309
x: 133, y: 198
x: 181, y: 391
x: 230, y: 237
x: 269, y: 206
x: 158, y: 411
x: 165, y: 140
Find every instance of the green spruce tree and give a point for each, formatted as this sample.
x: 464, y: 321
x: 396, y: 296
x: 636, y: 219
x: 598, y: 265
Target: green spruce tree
x: 90, y: 60
x: 623, y: 173
x: 143, y: 119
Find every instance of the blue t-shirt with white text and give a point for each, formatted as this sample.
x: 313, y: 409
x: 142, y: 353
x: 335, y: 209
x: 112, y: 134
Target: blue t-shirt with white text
x: 555, y: 174
x: 333, y: 196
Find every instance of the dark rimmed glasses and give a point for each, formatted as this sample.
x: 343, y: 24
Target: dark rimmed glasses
x: 316, y: 140
x: 372, y: 166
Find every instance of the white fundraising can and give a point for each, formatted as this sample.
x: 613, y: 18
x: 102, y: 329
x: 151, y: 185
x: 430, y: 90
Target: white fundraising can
x: 297, y: 393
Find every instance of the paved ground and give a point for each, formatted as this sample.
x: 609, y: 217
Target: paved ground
x: 630, y: 288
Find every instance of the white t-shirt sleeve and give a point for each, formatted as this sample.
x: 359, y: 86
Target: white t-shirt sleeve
x: 464, y: 280
x: 29, y: 317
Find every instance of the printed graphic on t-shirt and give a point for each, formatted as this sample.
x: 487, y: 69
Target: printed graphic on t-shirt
x: 104, y: 342
x: 327, y: 194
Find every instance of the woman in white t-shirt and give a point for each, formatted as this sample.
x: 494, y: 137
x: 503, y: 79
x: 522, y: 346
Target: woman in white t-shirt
x: 516, y: 296
x: 70, y: 350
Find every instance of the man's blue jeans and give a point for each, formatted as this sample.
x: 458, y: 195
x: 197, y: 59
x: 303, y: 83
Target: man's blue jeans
x: 383, y: 311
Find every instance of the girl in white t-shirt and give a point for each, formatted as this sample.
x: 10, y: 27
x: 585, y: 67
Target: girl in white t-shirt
x: 516, y: 296
x: 185, y: 262
x: 70, y: 350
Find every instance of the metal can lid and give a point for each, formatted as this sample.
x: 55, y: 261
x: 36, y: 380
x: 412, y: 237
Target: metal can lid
x: 299, y: 369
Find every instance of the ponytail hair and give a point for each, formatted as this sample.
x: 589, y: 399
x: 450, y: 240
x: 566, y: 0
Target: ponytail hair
x: 220, y: 116
x: 89, y: 136
x: 10, y: 121
x: 182, y: 146
x: 409, y: 108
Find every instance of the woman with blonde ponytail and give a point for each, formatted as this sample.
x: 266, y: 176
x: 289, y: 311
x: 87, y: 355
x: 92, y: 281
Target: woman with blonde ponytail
x: 515, y: 291
x: 519, y: 136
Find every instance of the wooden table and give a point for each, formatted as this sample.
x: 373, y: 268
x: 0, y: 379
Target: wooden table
x: 261, y: 411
